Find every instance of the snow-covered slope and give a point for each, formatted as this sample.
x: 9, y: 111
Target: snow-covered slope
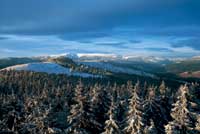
x: 48, y: 67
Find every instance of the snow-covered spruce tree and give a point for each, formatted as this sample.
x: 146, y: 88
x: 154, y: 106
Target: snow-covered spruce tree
x: 194, y: 101
x: 111, y: 125
x: 129, y: 87
x: 182, y: 117
x: 150, y: 129
x: 170, y: 128
x: 153, y: 110
x: 120, y: 100
x: 162, y: 89
x: 76, y: 117
x: 197, y: 127
x: 81, y: 119
x: 95, y: 107
x: 134, y: 119
x: 164, y: 94
x: 100, y: 103
x: 165, y: 102
x: 58, y: 110
x: 144, y: 90
x: 121, y: 109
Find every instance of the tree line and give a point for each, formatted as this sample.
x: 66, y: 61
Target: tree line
x: 35, y: 103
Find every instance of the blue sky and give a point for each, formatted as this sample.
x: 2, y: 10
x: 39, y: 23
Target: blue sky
x: 169, y: 28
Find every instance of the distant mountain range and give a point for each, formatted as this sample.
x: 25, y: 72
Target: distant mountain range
x: 98, y: 65
x: 114, y: 57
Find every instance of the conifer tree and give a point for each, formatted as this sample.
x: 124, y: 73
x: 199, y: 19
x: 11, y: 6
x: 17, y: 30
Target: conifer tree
x: 81, y: 118
x: 162, y: 89
x: 111, y: 125
x: 130, y: 88
x: 120, y: 109
x: 164, y: 102
x: 172, y: 128
x: 95, y: 106
x: 150, y: 129
x: 153, y: 110
x: 100, y: 103
x: 197, y: 127
x: 144, y: 90
x: 182, y: 120
x: 134, y: 120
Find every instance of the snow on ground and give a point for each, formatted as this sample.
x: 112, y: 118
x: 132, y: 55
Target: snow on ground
x: 48, y: 67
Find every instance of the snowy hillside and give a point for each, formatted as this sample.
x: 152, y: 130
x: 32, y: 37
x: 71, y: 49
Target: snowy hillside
x: 48, y: 67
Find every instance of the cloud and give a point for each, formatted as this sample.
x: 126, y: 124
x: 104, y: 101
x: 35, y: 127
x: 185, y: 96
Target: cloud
x: 190, y: 42
x: 170, y: 31
x: 68, y: 16
x: 7, y: 50
x: 159, y: 49
x: 121, y: 45
x: 28, y: 45
x: 83, y: 36
x: 3, y: 38
x: 121, y: 26
x: 135, y: 41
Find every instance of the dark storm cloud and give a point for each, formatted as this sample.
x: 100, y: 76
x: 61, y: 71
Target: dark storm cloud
x: 176, y: 31
x: 81, y: 26
x: 192, y: 43
x: 66, y: 16
x: 83, y: 36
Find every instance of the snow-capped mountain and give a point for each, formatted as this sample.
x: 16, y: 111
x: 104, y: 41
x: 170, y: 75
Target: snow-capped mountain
x: 196, y: 58
x: 109, y: 57
x: 48, y: 67
x: 97, y: 55
x: 150, y: 59
x: 69, y: 55
x: 99, y: 64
